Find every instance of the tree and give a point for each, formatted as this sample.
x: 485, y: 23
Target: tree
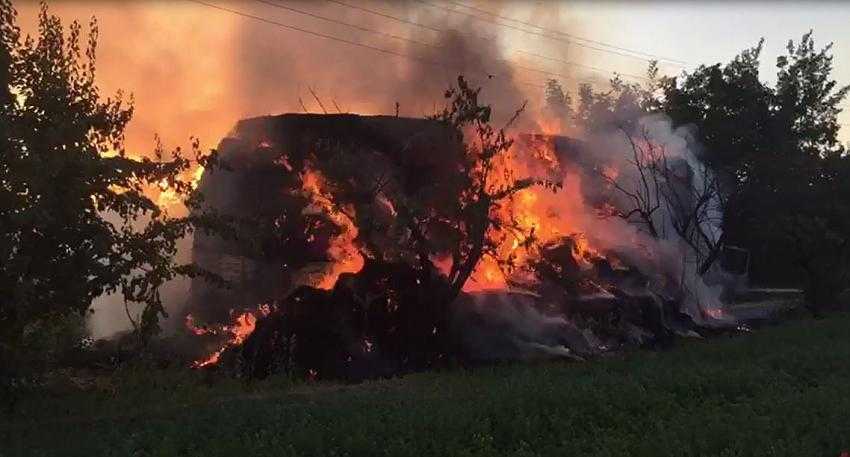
x: 458, y: 216
x: 776, y: 153
x: 558, y: 102
x: 645, y: 197
x: 689, y: 195
x: 659, y: 191
x: 76, y: 216
x: 488, y: 184
x: 622, y: 105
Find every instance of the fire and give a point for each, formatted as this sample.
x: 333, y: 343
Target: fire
x: 240, y: 330
x: 345, y: 255
x: 549, y: 125
x: 583, y: 252
x: 487, y: 276
x: 538, y: 215
x: 443, y: 263
x: 243, y: 325
x: 196, y: 176
x: 163, y: 193
x: 168, y: 196
x: 715, y: 313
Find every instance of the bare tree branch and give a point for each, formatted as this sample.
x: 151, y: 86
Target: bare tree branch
x: 313, y: 93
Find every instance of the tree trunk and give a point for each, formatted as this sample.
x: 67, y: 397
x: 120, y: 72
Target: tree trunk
x: 713, y: 255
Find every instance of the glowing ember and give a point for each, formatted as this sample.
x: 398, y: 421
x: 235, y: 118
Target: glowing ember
x: 242, y: 326
x: 715, y: 313
x: 190, y: 324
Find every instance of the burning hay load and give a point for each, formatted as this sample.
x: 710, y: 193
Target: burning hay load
x: 378, y: 245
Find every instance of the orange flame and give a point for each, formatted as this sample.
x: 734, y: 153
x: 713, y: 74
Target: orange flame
x: 487, y: 276
x: 243, y: 325
x: 168, y: 197
x: 539, y: 215
x: 344, y: 253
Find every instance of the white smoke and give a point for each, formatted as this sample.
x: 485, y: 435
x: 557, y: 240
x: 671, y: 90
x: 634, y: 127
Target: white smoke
x: 668, y: 257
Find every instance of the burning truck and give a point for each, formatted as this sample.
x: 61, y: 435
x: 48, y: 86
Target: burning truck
x: 356, y: 258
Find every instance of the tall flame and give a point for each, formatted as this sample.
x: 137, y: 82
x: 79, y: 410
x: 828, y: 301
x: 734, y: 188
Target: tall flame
x: 345, y: 255
x: 539, y: 215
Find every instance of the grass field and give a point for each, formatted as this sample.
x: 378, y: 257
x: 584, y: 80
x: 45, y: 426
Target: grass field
x: 782, y: 391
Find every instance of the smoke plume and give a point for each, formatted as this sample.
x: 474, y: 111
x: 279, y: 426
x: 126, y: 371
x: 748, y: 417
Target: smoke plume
x: 194, y: 70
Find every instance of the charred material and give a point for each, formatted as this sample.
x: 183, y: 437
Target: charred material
x: 608, y: 297
x: 389, y: 319
x: 384, y: 320
x: 352, y: 227
x: 283, y: 235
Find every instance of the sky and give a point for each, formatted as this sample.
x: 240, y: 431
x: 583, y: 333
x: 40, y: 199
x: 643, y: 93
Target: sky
x: 195, y: 70
x: 710, y: 32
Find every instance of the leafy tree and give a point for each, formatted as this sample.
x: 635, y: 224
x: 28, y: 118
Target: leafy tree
x: 558, y: 102
x: 729, y: 105
x: 489, y: 182
x: 621, y: 106
x: 777, y: 153
x: 76, y: 217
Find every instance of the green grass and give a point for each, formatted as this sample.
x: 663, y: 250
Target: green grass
x: 782, y: 391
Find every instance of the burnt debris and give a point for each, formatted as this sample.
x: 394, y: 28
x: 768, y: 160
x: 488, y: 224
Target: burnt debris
x: 326, y: 203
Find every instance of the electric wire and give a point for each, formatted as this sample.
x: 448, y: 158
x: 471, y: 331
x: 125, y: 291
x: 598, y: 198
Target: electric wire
x: 437, y: 63
x: 533, y: 32
x: 571, y: 36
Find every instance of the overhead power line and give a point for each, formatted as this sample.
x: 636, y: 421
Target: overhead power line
x: 309, y: 32
x: 534, y: 32
x: 386, y: 16
x: 589, y: 67
x: 426, y: 61
x: 368, y: 30
x: 343, y: 23
x: 571, y: 36
x: 536, y: 70
x: 435, y: 29
x: 432, y: 45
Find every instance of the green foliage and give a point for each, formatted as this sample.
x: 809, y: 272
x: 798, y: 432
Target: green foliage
x: 558, y: 102
x: 621, y: 106
x: 776, y: 148
x: 773, y: 150
x: 779, y: 392
x: 45, y: 341
x: 75, y: 216
x: 730, y: 106
x: 807, y: 99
